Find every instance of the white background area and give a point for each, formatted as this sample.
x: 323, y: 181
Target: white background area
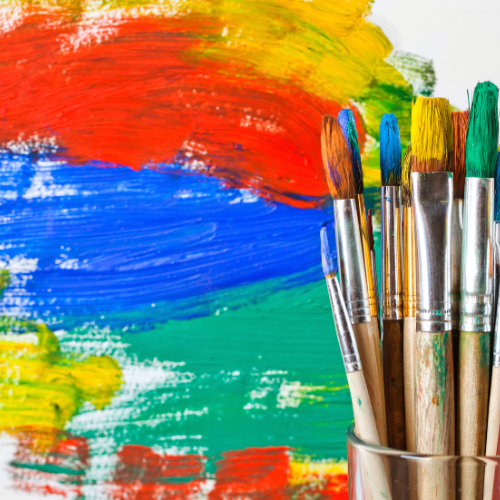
x: 462, y: 37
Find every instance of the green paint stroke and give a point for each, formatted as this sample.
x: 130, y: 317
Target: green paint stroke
x: 481, y: 147
x: 441, y: 343
x: 266, y: 374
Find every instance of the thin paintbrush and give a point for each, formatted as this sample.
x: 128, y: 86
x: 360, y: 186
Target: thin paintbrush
x: 339, y: 175
x: 496, y: 248
x: 392, y: 281
x: 460, y: 122
x: 477, y: 282
x: 373, y: 259
x: 409, y: 305
x: 374, y: 473
x: 432, y: 199
x: 348, y: 125
x: 493, y: 429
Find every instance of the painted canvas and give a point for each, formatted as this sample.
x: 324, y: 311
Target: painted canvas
x: 165, y: 329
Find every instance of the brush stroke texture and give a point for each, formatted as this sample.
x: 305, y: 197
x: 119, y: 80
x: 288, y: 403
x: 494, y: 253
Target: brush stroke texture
x: 199, y: 88
x: 156, y: 239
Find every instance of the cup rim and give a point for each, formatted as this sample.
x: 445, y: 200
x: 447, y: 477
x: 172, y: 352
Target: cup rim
x: 359, y: 443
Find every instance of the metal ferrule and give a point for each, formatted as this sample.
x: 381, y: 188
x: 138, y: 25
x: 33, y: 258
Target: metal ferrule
x: 410, y: 263
x: 432, y: 195
x: 496, y: 341
x: 476, y: 306
x: 496, y: 270
x: 351, y: 262
x: 372, y: 297
x: 347, y: 341
x: 392, y: 271
x: 456, y: 260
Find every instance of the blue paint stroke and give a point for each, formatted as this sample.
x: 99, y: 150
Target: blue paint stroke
x: 85, y: 242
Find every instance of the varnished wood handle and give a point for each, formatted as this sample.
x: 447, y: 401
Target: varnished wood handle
x: 370, y: 355
x: 493, y: 432
x: 473, y: 392
x: 410, y: 370
x: 392, y: 347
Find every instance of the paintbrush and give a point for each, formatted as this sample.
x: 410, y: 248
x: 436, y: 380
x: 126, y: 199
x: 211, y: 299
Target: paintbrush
x: 460, y: 121
x: 352, y: 277
x: 496, y: 249
x: 374, y: 473
x: 348, y: 126
x: 493, y: 429
x: 371, y: 242
x: 432, y: 199
x: 409, y: 304
x: 477, y: 281
x: 392, y: 281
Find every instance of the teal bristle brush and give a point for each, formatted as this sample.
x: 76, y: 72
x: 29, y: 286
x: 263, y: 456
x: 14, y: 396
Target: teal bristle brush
x: 477, y: 297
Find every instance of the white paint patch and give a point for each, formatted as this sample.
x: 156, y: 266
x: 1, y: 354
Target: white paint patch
x: 42, y: 186
x: 19, y: 264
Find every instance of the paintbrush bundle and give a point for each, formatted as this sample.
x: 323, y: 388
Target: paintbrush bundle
x: 439, y: 267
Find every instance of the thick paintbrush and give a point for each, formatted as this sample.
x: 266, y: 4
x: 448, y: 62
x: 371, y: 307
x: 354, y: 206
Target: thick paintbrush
x: 392, y: 281
x: 460, y: 120
x: 493, y: 429
x: 432, y: 199
x: 374, y: 475
x: 409, y: 304
x: 340, y: 178
x: 477, y: 282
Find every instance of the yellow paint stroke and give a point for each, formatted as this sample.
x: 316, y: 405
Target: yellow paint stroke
x: 43, y: 388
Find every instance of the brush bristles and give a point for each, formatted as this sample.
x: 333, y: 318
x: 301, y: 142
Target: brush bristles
x: 431, y: 134
x: 369, y: 230
x: 482, y: 133
x: 348, y: 125
x: 390, y: 151
x: 460, y: 120
x: 406, y: 178
x: 336, y: 160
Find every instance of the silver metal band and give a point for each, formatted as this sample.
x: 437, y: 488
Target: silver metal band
x: 432, y: 195
x: 347, y: 341
x: 476, y: 306
x: 392, y: 269
x: 351, y: 261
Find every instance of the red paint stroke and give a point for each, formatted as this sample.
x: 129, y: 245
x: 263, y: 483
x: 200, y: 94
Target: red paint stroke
x: 253, y: 473
x: 147, y: 95
x: 142, y: 474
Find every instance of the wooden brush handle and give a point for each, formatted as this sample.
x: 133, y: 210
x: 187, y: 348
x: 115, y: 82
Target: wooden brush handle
x: 370, y: 355
x: 410, y: 370
x: 392, y: 347
x: 435, y: 412
x: 492, y: 432
x: 474, y: 362
x: 374, y: 474
x: 435, y: 407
